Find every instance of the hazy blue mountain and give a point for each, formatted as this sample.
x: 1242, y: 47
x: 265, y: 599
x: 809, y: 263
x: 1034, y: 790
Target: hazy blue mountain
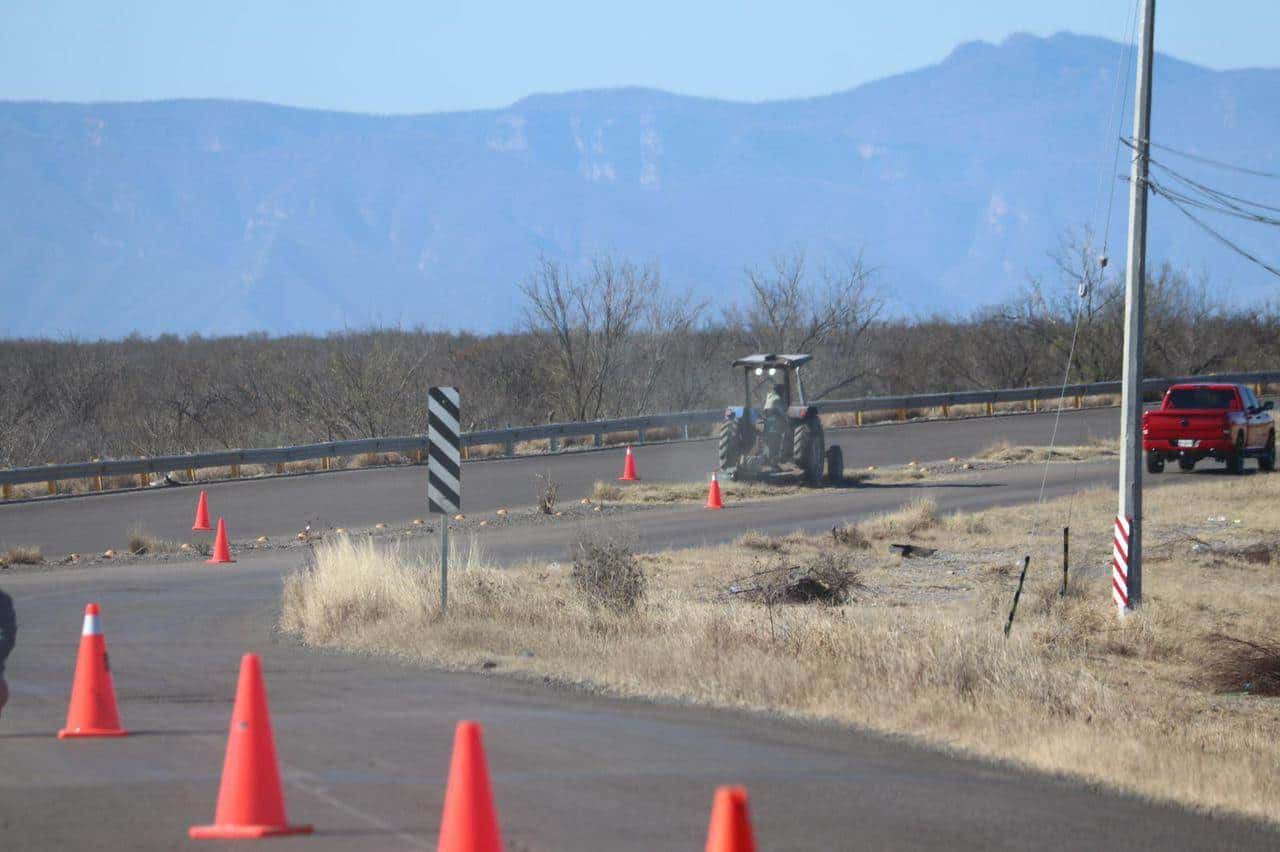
x: 956, y: 179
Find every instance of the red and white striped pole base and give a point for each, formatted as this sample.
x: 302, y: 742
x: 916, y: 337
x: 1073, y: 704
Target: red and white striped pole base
x: 1120, y: 564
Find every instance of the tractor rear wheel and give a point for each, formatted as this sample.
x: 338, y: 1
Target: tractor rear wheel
x: 835, y: 466
x: 810, y: 450
x: 730, y: 451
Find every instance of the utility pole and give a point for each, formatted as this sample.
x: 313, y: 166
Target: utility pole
x: 1127, y: 552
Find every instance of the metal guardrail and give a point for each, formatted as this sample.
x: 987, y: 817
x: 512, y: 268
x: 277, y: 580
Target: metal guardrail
x: 554, y: 433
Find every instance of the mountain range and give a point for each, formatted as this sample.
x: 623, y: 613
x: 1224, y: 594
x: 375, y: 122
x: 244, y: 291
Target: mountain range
x: 954, y: 181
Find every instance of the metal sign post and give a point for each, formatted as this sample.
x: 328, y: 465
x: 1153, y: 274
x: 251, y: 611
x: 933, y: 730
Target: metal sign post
x: 444, y: 471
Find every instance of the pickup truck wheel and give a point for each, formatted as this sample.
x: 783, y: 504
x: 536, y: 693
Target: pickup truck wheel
x: 1155, y: 463
x: 1235, y: 464
x: 1187, y: 464
x: 1267, y: 461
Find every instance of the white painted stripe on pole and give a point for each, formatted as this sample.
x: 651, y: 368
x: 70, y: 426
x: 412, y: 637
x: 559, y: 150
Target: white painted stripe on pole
x: 447, y: 482
x: 1120, y: 563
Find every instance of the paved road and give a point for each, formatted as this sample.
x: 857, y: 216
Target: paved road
x: 365, y: 742
x: 281, y: 506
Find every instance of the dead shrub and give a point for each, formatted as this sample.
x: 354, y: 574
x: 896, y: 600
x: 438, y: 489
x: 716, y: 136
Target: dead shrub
x: 848, y: 535
x: 606, y: 492
x: 1242, y: 665
x: 606, y: 573
x: 756, y: 540
x: 826, y: 578
x: 21, y: 556
x: 142, y: 543
x: 547, y: 490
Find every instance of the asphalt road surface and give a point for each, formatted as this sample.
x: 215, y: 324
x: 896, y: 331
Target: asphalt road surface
x: 365, y: 742
x: 365, y: 746
x: 280, y: 506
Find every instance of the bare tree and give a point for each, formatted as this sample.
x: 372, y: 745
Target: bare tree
x: 791, y: 312
x: 583, y: 326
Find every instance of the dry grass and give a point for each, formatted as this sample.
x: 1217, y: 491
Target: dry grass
x: 919, y: 652
x: 367, y: 460
x: 21, y: 556
x: 1003, y: 451
x: 142, y: 543
x: 910, y: 521
x: 687, y: 492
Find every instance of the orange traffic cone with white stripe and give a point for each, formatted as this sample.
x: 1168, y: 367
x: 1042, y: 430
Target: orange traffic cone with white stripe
x: 221, y: 549
x: 93, y: 711
x: 730, y: 829
x: 202, y: 515
x: 251, y: 797
x: 629, y: 468
x: 470, y: 822
x: 713, y: 494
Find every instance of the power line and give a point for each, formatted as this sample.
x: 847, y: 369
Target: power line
x: 1207, y: 197
x: 1126, y: 60
x: 1226, y: 199
x: 1229, y: 210
x: 1218, y: 163
x: 1213, y: 233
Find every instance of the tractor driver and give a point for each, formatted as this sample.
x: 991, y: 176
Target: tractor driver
x: 775, y: 420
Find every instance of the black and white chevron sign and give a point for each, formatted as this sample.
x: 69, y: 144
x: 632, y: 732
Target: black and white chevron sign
x: 444, y: 459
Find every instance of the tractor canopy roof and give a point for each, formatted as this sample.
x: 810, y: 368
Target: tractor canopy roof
x: 771, y: 360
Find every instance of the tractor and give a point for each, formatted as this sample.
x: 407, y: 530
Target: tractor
x: 782, y: 435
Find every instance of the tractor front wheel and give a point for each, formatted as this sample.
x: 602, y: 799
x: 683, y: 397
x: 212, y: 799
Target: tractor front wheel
x: 730, y: 450
x: 810, y: 450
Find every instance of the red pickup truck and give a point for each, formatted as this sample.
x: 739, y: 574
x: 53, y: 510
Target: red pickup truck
x: 1224, y: 422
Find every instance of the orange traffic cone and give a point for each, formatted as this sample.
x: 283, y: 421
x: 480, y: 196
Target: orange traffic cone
x: 629, y: 468
x: 713, y: 494
x: 202, y: 515
x: 221, y: 550
x: 470, y: 822
x: 92, y: 712
x: 251, y: 798
x: 730, y: 829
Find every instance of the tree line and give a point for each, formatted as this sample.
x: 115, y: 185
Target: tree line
x: 605, y: 341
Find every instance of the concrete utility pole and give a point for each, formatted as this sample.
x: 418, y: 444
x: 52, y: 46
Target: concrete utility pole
x: 1134, y: 308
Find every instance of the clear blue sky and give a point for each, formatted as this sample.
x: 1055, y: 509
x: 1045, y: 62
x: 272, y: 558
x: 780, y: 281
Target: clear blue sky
x: 427, y: 56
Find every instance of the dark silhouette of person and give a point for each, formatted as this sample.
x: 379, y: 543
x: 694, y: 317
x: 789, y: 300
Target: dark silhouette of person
x: 8, y: 636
